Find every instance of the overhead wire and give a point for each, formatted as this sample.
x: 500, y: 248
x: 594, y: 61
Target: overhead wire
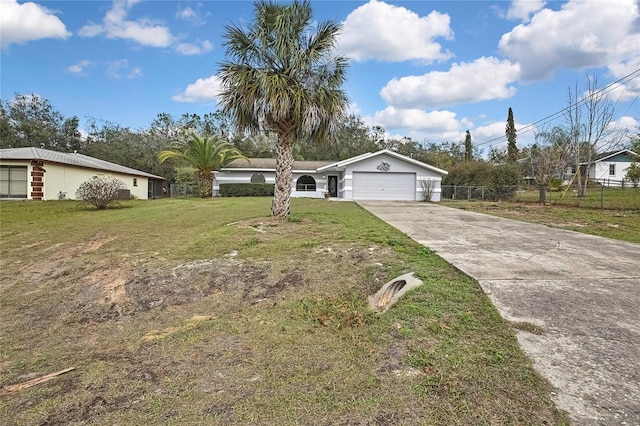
x: 530, y: 127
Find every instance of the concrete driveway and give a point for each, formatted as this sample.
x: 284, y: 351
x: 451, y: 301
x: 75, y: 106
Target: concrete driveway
x: 584, y: 291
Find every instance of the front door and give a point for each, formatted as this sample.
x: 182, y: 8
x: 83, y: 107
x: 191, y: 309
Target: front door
x: 333, y: 186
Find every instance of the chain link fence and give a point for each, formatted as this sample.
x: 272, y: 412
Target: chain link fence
x: 598, y: 196
x: 183, y: 191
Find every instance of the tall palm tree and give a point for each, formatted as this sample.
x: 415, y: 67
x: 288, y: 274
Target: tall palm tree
x: 281, y: 77
x: 205, y: 154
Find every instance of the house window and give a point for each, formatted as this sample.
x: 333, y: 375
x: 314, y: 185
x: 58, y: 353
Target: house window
x: 612, y: 169
x: 13, y: 182
x: 306, y: 183
x: 257, y: 178
x: 135, y: 181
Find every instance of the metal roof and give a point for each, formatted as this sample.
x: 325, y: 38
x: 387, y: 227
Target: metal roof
x: 71, y: 159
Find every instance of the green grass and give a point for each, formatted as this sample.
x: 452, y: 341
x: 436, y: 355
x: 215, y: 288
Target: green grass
x: 597, y: 197
x: 620, y: 219
x: 192, y: 312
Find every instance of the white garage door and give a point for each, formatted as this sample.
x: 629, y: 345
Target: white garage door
x: 384, y: 186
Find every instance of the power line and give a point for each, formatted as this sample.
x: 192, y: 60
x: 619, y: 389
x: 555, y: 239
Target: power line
x: 529, y: 127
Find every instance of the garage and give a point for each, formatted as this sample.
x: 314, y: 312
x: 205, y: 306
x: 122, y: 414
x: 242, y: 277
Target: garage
x: 384, y: 186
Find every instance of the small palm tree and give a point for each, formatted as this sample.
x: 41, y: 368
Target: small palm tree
x: 282, y: 78
x: 205, y: 154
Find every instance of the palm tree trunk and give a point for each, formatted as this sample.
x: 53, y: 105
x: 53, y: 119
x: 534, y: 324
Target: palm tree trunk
x: 205, y: 184
x: 281, y: 205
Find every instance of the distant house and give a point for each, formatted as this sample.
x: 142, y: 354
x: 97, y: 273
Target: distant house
x: 41, y: 174
x: 610, y: 168
x: 381, y: 175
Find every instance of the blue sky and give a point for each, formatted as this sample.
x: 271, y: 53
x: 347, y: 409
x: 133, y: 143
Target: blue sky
x: 425, y: 69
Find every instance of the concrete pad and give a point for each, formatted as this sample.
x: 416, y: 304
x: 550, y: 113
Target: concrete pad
x: 584, y: 291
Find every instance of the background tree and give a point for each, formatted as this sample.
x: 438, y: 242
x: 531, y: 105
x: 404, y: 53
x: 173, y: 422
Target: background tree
x: 633, y: 174
x: 510, y: 131
x: 468, y: 147
x: 281, y: 77
x: 32, y: 121
x: 589, y: 124
x: 500, y: 181
x: 547, y: 159
x: 205, y: 154
x: 498, y: 155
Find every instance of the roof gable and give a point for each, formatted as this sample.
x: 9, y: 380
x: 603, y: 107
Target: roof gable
x: 71, y: 159
x: 623, y: 155
x: 356, y: 159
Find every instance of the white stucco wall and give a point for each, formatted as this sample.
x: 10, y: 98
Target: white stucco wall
x: 67, y: 179
x: 243, y: 176
x: 395, y: 166
x: 60, y: 177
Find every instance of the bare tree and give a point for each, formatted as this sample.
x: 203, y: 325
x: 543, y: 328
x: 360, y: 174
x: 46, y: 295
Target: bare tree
x: 547, y: 158
x: 589, y: 122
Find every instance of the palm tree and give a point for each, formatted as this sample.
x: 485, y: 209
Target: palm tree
x: 205, y: 154
x: 281, y: 77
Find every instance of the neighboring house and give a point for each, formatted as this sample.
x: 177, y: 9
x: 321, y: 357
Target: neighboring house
x: 381, y: 175
x: 41, y: 174
x: 610, y: 168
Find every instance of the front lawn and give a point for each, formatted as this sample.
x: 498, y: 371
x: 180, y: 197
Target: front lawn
x: 191, y: 312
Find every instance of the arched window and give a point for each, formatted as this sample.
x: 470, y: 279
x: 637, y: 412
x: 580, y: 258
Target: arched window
x: 306, y: 183
x: 257, y: 178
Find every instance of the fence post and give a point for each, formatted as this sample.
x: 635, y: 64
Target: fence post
x: 468, y: 193
x: 602, y: 197
x: 454, y: 192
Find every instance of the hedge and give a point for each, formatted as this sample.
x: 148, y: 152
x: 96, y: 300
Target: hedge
x: 246, y: 189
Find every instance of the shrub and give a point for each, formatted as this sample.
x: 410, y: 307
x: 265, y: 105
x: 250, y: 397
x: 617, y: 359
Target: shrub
x: 554, y: 184
x: 246, y: 189
x: 100, y: 191
x: 500, y: 180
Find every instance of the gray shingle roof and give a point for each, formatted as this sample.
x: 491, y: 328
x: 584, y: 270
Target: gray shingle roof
x: 72, y: 159
x: 270, y: 164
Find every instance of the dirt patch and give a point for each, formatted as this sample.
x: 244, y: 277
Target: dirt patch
x: 230, y: 283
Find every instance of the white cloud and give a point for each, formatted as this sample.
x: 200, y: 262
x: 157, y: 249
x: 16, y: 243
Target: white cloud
x: 381, y: 31
x: 581, y: 34
x: 120, y: 69
x: 419, y: 124
x: 79, y: 67
x: 190, y: 15
x: 202, y: 46
x: 203, y: 90
x: 629, y: 90
x: 522, y: 9
x: 135, y: 73
x: 627, y: 125
x: 186, y: 13
x: 480, y: 80
x: 116, y: 26
x: 20, y: 23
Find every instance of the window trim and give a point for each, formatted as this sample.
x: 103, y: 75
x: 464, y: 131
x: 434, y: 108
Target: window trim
x: 306, y: 187
x: 8, y: 181
x: 260, y: 178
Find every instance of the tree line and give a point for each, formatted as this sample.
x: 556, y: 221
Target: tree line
x: 28, y: 120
